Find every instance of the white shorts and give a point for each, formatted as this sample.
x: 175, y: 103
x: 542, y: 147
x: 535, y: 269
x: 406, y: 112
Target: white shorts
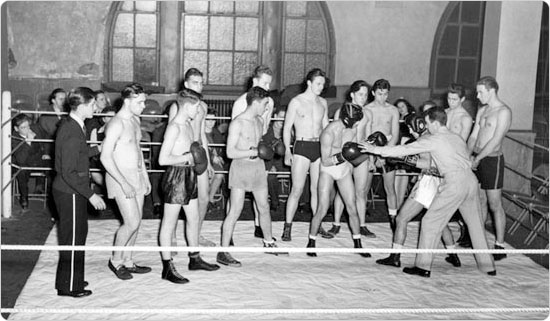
x: 337, y: 172
x: 425, y: 189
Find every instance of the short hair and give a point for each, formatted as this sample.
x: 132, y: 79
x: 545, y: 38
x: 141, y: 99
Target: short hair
x: 437, y: 114
x: 98, y: 92
x: 355, y: 87
x: 410, y: 108
x: 315, y: 72
x: 456, y: 89
x: 131, y: 90
x: 260, y: 70
x: 427, y: 103
x: 79, y: 96
x: 489, y: 83
x: 54, y: 93
x: 255, y: 94
x: 188, y: 96
x: 192, y: 72
x: 20, y: 119
x: 381, y: 84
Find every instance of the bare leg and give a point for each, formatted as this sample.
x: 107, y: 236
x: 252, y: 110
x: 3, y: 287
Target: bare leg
x: 203, y: 196
x: 237, y: 202
x: 298, y: 174
x: 264, y: 215
x: 131, y: 211
x: 408, y: 211
x: 495, y: 204
x: 325, y: 184
x: 214, y: 186
x: 167, y: 227
x: 401, y: 183
x: 389, y: 188
x: 362, y: 186
x: 314, y: 169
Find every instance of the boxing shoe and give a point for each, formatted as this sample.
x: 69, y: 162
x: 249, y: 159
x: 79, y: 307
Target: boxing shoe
x: 453, y: 259
x: 335, y: 229
x: 393, y: 260
x: 138, y: 269
x: 492, y: 273
x: 226, y: 259
x: 287, y: 230
x: 75, y: 294
x: 365, y: 232
x: 499, y: 256
x: 311, y: 244
x: 120, y: 271
x: 324, y: 233
x: 417, y: 271
x: 169, y: 273
x: 197, y: 263
x: 258, y: 232
x: 273, y: 245
x: 357, y: 245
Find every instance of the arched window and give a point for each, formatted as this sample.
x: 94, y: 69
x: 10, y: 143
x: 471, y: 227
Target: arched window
x: 133, y: 42
x: 456, y: 55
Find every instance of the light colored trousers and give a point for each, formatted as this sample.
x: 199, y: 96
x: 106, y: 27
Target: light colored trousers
x: 458, y: 190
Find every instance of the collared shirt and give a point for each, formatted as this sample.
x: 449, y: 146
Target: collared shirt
x: 448, y: 150
x: 78, y: 120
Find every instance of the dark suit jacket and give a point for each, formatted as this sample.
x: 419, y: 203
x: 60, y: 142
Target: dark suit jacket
x: 72, y: 159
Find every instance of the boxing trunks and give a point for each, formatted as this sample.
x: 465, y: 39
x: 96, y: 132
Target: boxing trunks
x: 425, y: 189
x: 308, y: 149
x: 179, y: 185
x: 337, y: 172
x: 490, y: 172
x: 248, y: 174
x: 134, y: 177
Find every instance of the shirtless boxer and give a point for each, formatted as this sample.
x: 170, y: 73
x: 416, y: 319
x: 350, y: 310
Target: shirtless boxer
x: 261, y: 77
x: 493, y: 121
x: 357, y: 95
x: 334, y: 168
x: 459, y: 190
x: 385, y: 119
x: 179, y: 184
x: 459, y: 120
x: 307, y: 113
x: 247, y: 172
x: 126, y: 176
x: 193, y: 79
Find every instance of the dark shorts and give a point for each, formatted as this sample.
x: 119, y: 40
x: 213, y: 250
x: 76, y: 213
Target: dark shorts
x: 490, y: 172
x: 179, y: 185
x: 310, y: 150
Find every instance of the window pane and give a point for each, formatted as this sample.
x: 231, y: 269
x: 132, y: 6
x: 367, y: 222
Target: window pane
x: 220, y: 67
x: 196, y: 6
x: 296, y: 8
x: 313, y: 9
x: 293, y: 72
x: 128, y: 5
x: 454, y: 16
x: 146, y: 66
x: 124, y: 30
x: 316, y: 41
x: 467, y: 72
x: 471, y: 11
x: 150, y: 6
x: 295, y: 35
x: 469, y: 42
x: 247, y: 7
x: 123, y: 65
x: 246, y: 34
x: 244, y: 66
x: 316, y: 61
x: 195, y: 59
x: 221, y: 6
x: 146, y: 30
x: 449, y: 41
x: 445, y: 72
x: 221, y: 33
x: 196, y: 32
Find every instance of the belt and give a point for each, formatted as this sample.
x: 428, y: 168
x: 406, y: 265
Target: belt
x: 311, y: 139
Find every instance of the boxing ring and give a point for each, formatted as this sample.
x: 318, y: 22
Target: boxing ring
x: 338, y: 284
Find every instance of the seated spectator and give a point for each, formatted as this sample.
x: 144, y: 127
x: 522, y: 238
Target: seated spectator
x: 101, y: 102
x: 49, y: 122
x: 274, y: 138
x: 98, y: 134
x: 28, y: 154
x: 217, y: 154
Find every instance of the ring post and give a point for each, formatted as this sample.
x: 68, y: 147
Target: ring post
x: 5, y: 198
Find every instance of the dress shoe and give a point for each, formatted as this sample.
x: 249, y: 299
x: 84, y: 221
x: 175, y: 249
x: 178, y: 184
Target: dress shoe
x: 120, y: 271
x: 287, y: 231
x: 138, y: 269
x: 365, y: 232
x: 258, y: 232
x: 325, y: 234
x: 453, y: 259
x: 499, y: 256
x: 311, y: 244
x: 226, y: 259
x: 417, y: 271
x: 75, y: 294
x: 197, y: 263
x: 393, y: 260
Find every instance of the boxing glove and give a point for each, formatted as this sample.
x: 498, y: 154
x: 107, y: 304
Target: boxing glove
x: 199, y: 158
x: 352, y: 153
x: 265, y: 151
x: 337, y: 159
x: 279, y: 148
x: 377, y: 139
x: 410, y: 160
x: 416, y: 123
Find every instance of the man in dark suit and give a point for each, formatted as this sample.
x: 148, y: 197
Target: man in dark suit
x: 71, y: 191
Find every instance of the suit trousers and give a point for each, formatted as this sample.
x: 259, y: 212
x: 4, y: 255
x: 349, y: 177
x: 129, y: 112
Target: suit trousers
x: 72, y: 229
x: 458, y: 190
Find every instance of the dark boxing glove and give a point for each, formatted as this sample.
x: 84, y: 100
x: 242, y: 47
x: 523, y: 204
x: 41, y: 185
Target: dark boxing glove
x: 337, y: 159
x: 199, y: 158
x: 279, y: 148
x: 352, y: 153
x: 410, y: 160
x: 416, y: 123
x: 377, y: 139
x: 265, y: 151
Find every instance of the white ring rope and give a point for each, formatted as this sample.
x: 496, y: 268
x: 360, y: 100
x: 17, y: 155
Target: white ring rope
x: 16, y: 247
x: 285, y: 311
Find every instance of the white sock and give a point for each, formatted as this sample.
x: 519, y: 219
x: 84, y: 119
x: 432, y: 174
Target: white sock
x: 499, y: 244
x: 392, y: 211
x: 312, y: 237
x: 450, y: 247
x: 336, y: 224
x: 396, y: 246
x: 356, y: 236
x: 364, y: 225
